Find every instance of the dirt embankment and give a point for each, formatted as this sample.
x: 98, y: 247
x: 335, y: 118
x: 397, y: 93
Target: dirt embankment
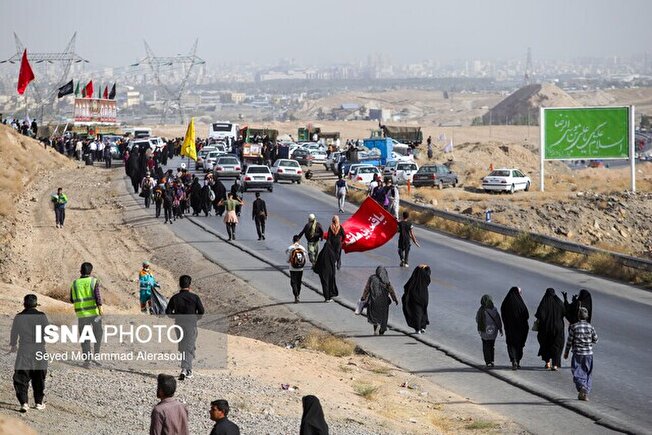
x: 106, y: 226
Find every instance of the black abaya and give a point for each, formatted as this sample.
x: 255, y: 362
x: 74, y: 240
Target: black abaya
x: 195, y: 197
x: 325, y: 267
x: 415, y: 298
x: 515, y: 317
x: 550, y: 316
x: 312, y: 420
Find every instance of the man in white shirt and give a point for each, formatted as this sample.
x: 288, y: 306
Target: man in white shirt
x: 93, y: 150
x: 297, y: 255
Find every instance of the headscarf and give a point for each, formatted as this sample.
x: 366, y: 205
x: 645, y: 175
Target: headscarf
x: 417, y: 286
x: 382, y: 275
x: 335, y: 225
x: 312, y: 420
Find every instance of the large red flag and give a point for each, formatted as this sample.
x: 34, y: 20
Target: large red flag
x: 25, y: 75
x: 106, y: 93
x: 369, y: 227
x: 89, y: 89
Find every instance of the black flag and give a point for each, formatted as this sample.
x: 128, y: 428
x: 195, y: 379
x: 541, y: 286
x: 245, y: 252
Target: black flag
x: 112, y: 93
x: 66, y: 89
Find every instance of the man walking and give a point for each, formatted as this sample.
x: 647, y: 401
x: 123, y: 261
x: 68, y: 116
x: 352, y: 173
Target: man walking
x: 581, y: 338
x: 340, y: 191
x: 27, y: 368
x: 60, y: 200
x: 223, y: 426
x: 169, y: 416
x: 405, y: 237
x: 186, y: 308
x: 87, y: 301
x: 297, y: 260
x: 259, y: 215
x: 314, y: 233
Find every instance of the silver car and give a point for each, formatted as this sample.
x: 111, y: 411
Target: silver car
x: 227, y: 166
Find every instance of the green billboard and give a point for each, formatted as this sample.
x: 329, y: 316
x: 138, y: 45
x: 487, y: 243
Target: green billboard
x: 586, y: 133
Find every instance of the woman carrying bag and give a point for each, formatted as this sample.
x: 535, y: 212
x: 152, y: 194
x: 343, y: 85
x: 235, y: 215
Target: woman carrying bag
x: 377, y: 294
x: 489, y: 325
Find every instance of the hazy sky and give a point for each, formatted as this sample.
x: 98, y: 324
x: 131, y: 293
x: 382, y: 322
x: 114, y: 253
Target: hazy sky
x: 328, y: 31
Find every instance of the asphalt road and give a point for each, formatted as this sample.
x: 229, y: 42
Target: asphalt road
x: 462, y: 272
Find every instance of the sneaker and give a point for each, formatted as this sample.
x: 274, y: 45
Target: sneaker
x: 554, y: 368
x: 182, y: 376
x: 514, y: 366
x: 423, y: 331
x: 189, y: 374
x: 583, y: 396
x: 263, y: 236
x: 406, y: 265
x: 24, y: 408
x: 40, y: 406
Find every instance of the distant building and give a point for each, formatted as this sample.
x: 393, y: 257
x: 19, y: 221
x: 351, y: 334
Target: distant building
x: 381, y: 115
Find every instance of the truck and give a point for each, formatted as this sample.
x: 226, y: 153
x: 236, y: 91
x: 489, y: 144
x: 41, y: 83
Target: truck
x: 412, y: 136
x: 223, y: 131
x: 253, y: 141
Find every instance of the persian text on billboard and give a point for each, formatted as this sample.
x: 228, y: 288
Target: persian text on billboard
x: 95, y: 110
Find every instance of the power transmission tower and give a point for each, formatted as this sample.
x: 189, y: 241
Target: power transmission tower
x: 529, y: 70
x: 45, y: 97
x: 173, y: 95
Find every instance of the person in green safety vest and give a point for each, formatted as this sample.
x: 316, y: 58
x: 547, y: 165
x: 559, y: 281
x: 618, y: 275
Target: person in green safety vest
x: 59, y: 200
x: 87, y: 300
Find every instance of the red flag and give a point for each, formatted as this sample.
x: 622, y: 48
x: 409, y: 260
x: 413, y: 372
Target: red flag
x: 25, y: 75
x: 89, y: 89
x: 106, y: 93
x: 369, y: 227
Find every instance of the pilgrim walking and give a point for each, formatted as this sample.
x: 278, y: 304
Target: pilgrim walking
x: 325, y: 267
x: 550, y: 327
x: 415, y: 299
x: 489, y: 325
x: 377, y: 294
x: 515, y: 320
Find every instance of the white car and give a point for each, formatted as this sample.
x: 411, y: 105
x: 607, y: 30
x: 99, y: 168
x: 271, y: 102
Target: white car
x: 201, y: 155
x: 404, y: 171
x: 364, y: 174
x: 257, y: 177
x: 211, y: 158
x: 354, y: 167
x: 318, y: 157
x: 312, y: 146
x: 287, y: 169
x: 506, y: 180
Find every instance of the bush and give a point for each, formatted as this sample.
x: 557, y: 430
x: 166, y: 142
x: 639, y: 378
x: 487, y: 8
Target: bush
x: 329, y: 344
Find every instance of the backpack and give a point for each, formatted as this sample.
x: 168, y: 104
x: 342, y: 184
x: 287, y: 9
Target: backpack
x: 158, y: 195
x: 297, y: 258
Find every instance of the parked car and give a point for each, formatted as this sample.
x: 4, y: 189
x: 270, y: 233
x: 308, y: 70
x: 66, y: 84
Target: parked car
x: 508, y: 180
x: 349, y: 169
x: 257, y: 177
x: 227, y: 166
x: 286, y: 169
x: 404, y: 171
x: 364, y: 174
x: 434, y: 175
x: 312, y: 146
x: 302, y: 156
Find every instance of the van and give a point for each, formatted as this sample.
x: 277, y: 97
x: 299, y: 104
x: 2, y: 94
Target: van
x: 223, y: 131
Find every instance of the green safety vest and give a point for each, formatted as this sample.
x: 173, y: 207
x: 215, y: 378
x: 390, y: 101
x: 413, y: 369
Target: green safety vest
x: 83, y: 297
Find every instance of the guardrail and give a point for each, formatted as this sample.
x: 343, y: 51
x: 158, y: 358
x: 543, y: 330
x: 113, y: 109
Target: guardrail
x: 625, y: 260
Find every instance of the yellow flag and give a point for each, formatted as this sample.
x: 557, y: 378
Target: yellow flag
x: 188, y: 147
